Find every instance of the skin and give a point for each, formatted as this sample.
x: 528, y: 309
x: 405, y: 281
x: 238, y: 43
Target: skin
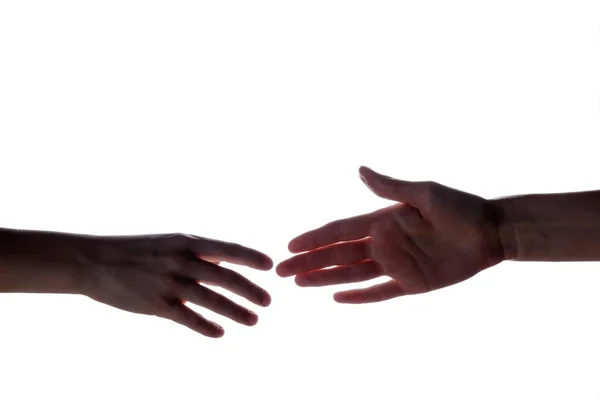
x: 151, y: 274
x: 435, y: 236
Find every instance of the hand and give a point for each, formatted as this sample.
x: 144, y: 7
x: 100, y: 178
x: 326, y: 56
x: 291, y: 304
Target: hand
x: 156, y: 275
x: 433, y: 237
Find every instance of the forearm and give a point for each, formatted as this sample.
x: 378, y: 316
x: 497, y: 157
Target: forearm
x: 39, y: 262
x: 550, y: 227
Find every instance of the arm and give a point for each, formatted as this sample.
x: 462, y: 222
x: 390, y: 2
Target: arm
x: 40, y: 262
x: 435, y: 236
x: 149, y: 274
x: 550, y: 227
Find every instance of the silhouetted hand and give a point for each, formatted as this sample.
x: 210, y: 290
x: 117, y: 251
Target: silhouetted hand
x: 434, y: 237
x: 157, y: 274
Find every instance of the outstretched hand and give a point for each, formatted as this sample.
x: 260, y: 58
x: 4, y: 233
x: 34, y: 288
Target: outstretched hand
x: 435, y: 236
x: 157, y: 274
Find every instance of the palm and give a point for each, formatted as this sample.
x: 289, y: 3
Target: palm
x: 446, y: 237
x: 438, y: 249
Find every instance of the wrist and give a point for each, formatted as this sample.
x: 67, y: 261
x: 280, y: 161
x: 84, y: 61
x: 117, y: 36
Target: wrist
x: 42, y: 262
x: 80, y: 256
x: 506, y: 228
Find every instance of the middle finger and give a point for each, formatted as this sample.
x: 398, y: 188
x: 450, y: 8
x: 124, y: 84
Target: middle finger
x: 204, y: 271
x: 207, y: 298
x: 336, y: 254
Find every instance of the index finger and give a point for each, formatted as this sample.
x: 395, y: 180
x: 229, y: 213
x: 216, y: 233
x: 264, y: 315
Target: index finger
x: 230, y: 252
x: 342, y: 230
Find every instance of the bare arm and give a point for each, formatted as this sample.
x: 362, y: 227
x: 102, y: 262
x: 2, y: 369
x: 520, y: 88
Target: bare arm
x: 550, y: 227
x: 149, y: 274
x: 435, y: 236
x: 40, y: 262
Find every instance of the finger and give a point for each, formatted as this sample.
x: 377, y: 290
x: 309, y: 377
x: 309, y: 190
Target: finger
x: 336, y: 254
x: 392, y: 189
x: 352, y: 273
x: 215, y: 261
x: 338, y: 231
x: 207, y: 298
x: 235, y: 282
x: 178, y: 312
x: 372, y: 294
x: 230, y: 252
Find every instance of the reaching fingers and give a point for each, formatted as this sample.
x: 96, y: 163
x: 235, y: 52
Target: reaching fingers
x: 200, y: 295
x: 352, y: 273
x: 337, y: 254
x: 338, y: 231
x: 372, y: 294
x: 229, y: 252
x: 178, y: 312
x: 203, y: 271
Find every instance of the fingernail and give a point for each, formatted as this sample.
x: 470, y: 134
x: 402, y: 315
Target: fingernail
x: 364, y: 180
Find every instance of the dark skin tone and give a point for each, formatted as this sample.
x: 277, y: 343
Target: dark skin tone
x: 432, y: 236
x: 450, y: 237
x: 435, y: 236
x: 153, y: 274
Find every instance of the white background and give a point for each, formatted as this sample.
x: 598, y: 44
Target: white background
x: 247, y: 121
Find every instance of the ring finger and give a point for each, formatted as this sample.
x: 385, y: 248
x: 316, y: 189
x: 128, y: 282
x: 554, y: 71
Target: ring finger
x: 207, y: 298
x: 337, y: 254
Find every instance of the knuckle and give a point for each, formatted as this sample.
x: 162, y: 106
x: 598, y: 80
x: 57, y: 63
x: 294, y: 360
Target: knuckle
x: 170, y: 284
x: 179, y: 238
x: 430, y: 190
x: 170, y: 242
x: 429, y: 186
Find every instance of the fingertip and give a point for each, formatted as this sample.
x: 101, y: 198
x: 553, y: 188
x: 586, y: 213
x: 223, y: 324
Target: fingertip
x: 267, y: 263
x: 281, y: 271
x: 291, y: 246
x: 366, y: 176
x: 266, y: 300
x: 370, y: 175
x: 252, y: 319
x: 295, y: 246
x: 301, y: 281
x: 364, y: 170
x: 263, y: 263
x: 340, y: 297
x: 217, y: 332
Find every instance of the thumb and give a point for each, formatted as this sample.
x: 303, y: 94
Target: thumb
x: 390, y: 188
